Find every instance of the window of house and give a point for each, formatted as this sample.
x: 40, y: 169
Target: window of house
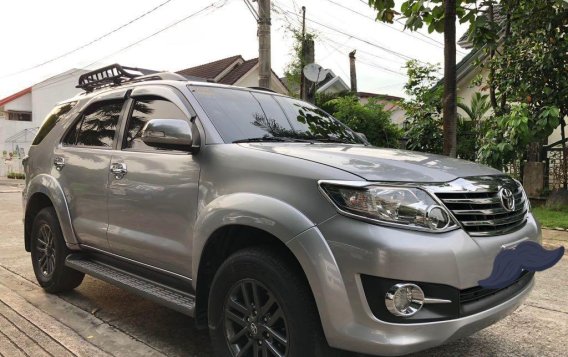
x: 19, y: 116
x: 96, y: 126
x: 145, y: 109
x: 52, y: 118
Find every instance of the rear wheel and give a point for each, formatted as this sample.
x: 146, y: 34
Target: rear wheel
x: 260, y: 306
x: 49, y: 252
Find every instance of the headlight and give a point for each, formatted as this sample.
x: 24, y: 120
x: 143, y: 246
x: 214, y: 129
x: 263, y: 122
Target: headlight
x: 406, y: 207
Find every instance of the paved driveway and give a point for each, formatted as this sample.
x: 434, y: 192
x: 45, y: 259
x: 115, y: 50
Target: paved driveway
x: 98, y: 318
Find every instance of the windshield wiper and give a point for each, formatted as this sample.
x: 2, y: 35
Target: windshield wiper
x: 272, y: 139
x: 331, y: 140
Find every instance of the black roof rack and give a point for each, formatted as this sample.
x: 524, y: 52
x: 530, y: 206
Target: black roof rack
x: 116, y: 74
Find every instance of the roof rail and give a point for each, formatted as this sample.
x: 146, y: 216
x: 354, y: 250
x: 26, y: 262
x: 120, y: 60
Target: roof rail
x: 263, y: 89
x: 115, y: 75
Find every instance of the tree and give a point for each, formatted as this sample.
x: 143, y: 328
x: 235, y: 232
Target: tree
x: 423, y: 109
x: 439, y: 16
x: 293, y: 70
x: 528, y: 69
x: 370, y: 119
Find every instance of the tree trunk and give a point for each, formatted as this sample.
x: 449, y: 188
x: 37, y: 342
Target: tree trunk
x: 450, y: 81
x: 564, y: 163
x: 492, y: 95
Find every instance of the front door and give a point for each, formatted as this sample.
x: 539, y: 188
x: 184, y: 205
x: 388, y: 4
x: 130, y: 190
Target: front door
x: 81, y: 164
x: 153, y: 203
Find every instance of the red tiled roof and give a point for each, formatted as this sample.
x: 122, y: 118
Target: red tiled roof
x: 15, y: 96
x: 210, y: 70
x: 240, y: 70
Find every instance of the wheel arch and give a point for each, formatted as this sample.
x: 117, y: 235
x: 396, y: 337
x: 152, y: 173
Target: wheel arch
x: 224, y: 242
x: 44, y: 191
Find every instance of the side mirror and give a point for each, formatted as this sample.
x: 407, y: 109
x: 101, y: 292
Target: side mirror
x: 363, y: 137
x: 167, y: 134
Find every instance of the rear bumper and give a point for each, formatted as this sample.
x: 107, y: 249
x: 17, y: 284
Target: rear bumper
x: 351, y: 249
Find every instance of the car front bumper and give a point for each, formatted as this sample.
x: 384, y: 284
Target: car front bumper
x: 334, y: 266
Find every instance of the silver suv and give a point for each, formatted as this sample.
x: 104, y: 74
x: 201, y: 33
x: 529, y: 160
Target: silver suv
x: 267, y: 220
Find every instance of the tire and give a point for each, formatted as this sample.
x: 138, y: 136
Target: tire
x: 284, y: 304
x: 48, y: 254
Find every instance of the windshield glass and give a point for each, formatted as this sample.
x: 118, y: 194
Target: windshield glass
x: 240, y: 115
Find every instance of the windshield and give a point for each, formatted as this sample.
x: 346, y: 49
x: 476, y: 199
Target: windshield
x: 240, y: 115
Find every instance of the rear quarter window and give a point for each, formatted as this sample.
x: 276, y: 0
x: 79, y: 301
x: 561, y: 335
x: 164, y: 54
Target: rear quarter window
x: 51, y: 120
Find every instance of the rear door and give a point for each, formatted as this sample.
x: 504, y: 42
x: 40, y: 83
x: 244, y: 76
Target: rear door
x: 81, y: 164
x: 153, y: 204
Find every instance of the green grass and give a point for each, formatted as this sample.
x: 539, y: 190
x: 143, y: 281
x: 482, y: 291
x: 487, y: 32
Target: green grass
x: 551, y: 218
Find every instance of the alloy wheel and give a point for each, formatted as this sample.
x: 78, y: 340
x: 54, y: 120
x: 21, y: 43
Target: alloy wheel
x: 46, y: 250
x: 255, y: 325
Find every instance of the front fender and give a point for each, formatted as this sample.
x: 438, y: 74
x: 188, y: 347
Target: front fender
x: 49, y: 186
x: 266, y: 213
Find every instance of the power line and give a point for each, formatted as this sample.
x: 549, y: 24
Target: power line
x: 89, y: 43
x: 393, y: 52
x: 375, y: 65
x: 215, y: 6
x: 430, y: 41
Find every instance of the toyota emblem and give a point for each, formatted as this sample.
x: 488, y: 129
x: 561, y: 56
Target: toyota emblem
x: 507, y: 199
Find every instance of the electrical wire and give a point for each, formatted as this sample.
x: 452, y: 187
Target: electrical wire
x: 213, y: 6
x: 344, y: 33
x: 88, y: 43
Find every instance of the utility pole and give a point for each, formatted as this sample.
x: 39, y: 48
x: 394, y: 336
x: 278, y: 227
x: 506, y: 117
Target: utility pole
x: 265, y: 67
x: 309, y: 57
x: 303, y: 94
x: 353, y: 71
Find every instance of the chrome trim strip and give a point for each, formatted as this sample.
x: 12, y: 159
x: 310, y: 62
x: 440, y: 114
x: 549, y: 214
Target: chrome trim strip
x: 151, y: 267
x: 436, y: 301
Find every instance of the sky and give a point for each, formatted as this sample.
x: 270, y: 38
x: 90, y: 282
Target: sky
x: 44, y: 38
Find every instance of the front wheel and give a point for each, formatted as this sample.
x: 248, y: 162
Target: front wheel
x: 48, y: 254
x: 259, y: 306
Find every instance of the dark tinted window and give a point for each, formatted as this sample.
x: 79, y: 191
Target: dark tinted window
x: 52, y: 118
x: 97, y: 125
x: 311, y: 122
x: 240, y: 115
x: 147, y: 108
x: 236, y: 114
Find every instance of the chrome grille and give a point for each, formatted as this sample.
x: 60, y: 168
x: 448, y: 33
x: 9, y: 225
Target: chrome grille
x: 483, y: 213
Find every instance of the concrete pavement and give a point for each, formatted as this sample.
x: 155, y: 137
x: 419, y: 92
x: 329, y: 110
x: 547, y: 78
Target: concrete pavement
x: 98, y: 319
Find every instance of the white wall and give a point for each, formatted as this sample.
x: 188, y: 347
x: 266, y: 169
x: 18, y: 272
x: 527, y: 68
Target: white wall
x: 22, y: 104
x: 44, y: 96
x: 251, y: 80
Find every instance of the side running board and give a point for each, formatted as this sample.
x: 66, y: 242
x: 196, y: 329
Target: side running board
x: 170, y: 297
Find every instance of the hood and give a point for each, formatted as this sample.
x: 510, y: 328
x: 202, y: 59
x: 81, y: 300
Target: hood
x: 377, y: 164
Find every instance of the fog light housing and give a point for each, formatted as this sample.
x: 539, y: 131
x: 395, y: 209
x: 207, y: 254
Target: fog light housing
x: 404, y: 300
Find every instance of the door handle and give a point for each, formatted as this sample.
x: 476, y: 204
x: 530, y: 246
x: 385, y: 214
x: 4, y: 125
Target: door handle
x: 118, y: 169
x: 59, y: 162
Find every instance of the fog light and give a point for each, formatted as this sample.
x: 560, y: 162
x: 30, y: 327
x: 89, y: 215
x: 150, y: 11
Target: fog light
x: 404, y: 299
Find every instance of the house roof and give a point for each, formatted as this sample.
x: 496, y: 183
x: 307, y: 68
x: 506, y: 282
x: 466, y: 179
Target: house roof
x: 15, y: 96
x: 238, y: 71
x: 378, y: 96
x: 498, y: 15
x: 212, y: 69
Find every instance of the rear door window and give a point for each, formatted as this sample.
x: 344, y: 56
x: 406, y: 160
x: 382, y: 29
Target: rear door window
x: 52, y: 118
x: 96, y: 126
x: 145, y: 109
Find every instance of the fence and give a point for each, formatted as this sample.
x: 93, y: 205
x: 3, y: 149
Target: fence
x: 11, y: 165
